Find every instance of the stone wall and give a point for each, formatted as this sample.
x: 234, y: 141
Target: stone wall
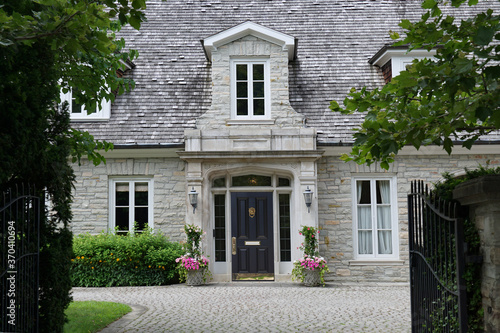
x: 91, y: 193
x: 334, y: 200
x: 335, y: 210
x: 482, y: 195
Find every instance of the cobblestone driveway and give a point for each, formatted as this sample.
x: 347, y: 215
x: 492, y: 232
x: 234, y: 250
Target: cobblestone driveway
x: 263, y: 307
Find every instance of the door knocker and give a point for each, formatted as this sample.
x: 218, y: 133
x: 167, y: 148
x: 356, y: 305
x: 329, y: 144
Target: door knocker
x: 251, y: 212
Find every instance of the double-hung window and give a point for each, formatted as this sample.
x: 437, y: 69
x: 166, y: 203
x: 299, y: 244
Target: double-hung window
x: 250, y: 89
x: 131, y: 204
x: 79, y: 113
x: 375, y: 218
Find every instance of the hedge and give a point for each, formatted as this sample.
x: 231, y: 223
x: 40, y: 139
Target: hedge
x: 141, y: 259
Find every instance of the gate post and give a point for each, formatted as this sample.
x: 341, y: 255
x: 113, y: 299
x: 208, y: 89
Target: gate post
x: 482, y: 195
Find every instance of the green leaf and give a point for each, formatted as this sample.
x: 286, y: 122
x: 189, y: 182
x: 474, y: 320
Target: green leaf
x: 135, y: 22
x: 484, y: 35
x: 448, y: 145
x: 428, y: 4
x: 482, y: 113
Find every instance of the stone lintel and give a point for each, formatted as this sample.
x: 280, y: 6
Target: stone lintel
x: 478, y: 190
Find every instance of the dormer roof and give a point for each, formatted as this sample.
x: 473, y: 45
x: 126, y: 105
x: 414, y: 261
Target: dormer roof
x: 249, y: 28
x: 387, y: 52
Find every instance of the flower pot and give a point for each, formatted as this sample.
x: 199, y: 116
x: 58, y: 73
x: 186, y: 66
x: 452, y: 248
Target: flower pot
x: 312, y: 278
x: 195, y: 277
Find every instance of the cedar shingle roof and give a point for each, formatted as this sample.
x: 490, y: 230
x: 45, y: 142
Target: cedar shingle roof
x: 336, y: 38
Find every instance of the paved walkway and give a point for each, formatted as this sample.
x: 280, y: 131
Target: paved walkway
x: 257, y: 307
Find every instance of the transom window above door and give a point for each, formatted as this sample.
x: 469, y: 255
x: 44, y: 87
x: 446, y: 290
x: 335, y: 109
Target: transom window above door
x: 250, y: 94
x: 251, y: 180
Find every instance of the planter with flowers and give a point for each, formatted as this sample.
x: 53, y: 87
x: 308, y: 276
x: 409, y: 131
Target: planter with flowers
x: 193, y: 265
x: 311, y: 268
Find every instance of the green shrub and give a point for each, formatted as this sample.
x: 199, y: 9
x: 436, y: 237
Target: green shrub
x: 106, y: 260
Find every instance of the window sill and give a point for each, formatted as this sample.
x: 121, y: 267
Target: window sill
x: 83, y: 119
x: 377, y: 262
x: 250, y: 122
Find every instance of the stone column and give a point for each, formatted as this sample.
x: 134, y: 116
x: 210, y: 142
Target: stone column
x: 482, y: 195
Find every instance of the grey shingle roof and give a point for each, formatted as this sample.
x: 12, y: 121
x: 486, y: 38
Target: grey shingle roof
x: 336, y: 39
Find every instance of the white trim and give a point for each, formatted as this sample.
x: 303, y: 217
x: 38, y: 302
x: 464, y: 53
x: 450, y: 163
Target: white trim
x: 402, y: 53
x: 131, y: 182
x: 287, y: 42
x: 376, y: 262
x: 394, y: 219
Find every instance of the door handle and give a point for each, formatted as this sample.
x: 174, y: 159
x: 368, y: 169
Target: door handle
x: 233, y: 243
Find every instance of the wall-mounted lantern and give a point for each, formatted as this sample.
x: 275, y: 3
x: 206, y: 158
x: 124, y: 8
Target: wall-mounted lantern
x: 193, y: 199
x: 308, y: 196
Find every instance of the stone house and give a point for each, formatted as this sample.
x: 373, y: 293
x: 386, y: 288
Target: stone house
x: 231, y: 102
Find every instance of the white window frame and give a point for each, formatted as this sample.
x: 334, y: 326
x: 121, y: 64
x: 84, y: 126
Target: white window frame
x: 400, y: 63
x: 103, y: 112
x: 112, y: 200
x: 267, y: 90
x: 394, y: 219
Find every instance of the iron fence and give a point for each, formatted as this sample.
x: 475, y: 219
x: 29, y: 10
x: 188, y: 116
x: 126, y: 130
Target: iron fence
x: 437, y: 263
x: 20, y: 210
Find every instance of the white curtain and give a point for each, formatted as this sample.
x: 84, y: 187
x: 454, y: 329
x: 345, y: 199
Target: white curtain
x: 365, y: 243
x: 384, y: 218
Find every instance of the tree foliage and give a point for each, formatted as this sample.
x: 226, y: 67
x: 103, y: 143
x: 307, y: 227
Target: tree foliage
x: 46, y: 46
x: 81, y: 36
x: 453, y: 97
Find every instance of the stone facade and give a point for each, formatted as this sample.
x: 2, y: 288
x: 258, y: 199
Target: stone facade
x: 91, y: 193
x: 335, y: 210
x: 333, y: 201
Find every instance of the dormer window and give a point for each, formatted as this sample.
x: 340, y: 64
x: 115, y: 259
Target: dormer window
x: 250, y: 89
x: 393, y: 60
x: 79, y: 113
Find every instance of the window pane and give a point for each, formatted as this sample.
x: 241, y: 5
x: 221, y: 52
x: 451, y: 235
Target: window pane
x: 219, y: 182
x: 258, y: 89
x: 251, y: 180
x: 75, y: 107
x: 241, y: 89
x: 258, y: 72
x: 282, y: 182
x: 141, y: 194
x: 365, y: 244
x: 122, y: 198
x: 285, y: 243
x: 141, y: 217
x: 363, y: 192
x: 383, y: 192
x: 121, y: 216
x: 241, y: 72
x: 242, y: 107
x: 385, y: 242
x: 220, y: 227
x: 258, y: 107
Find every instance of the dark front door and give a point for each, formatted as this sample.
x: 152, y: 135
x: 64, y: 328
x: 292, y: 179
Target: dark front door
x: 252, y: 236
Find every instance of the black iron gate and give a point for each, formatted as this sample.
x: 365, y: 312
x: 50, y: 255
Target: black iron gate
x: 437, y: 263
x: 19, y: 265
